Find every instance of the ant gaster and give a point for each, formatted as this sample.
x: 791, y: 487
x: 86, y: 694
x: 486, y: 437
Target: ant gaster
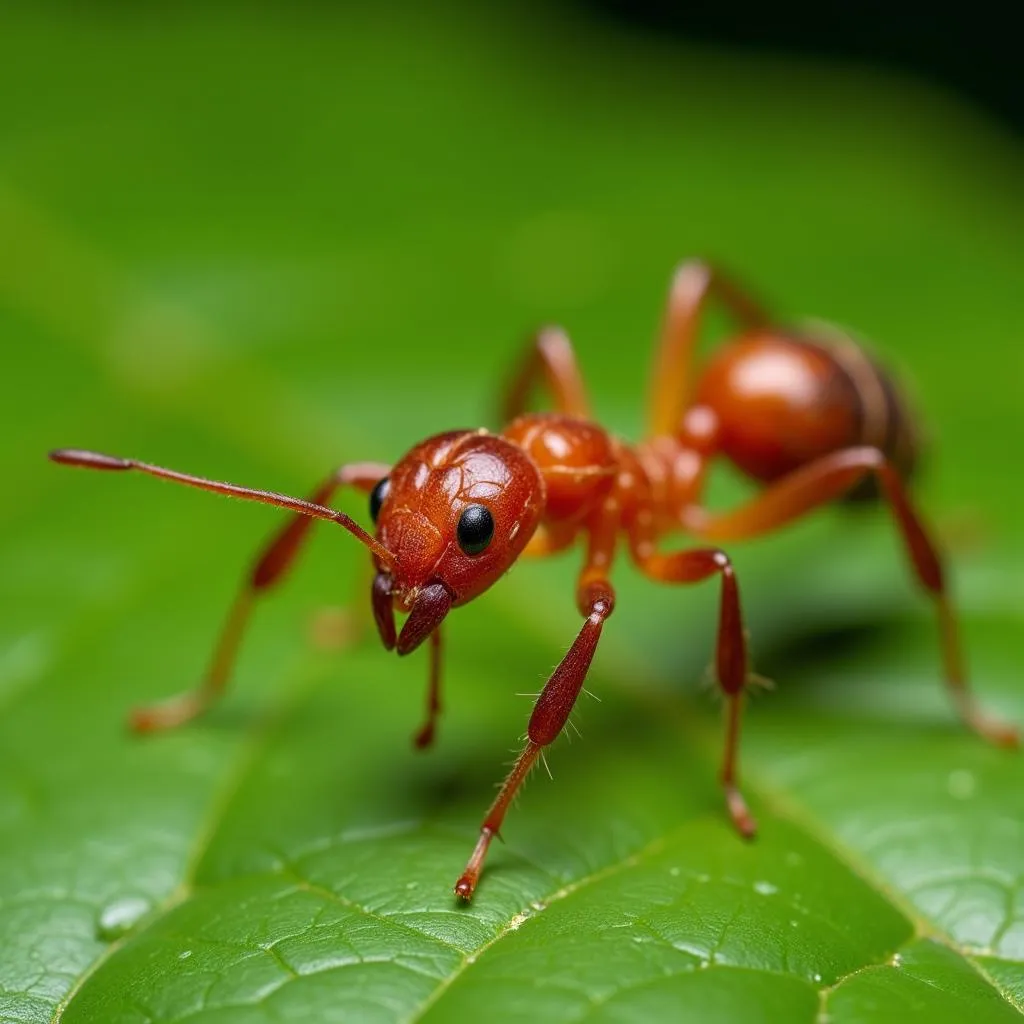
x: 806, y: 413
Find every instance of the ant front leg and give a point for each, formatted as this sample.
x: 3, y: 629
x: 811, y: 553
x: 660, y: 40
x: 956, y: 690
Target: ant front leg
x: 595, y: 598
x: 826, y: 479
x: 730, y: 652
x: 693, y: 284
x: 550, y: 358
x: 550, y: 714
x: 270, y: 568
x: 424, y: 736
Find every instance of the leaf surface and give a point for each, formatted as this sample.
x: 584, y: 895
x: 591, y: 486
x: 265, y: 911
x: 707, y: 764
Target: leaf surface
x: 256, y: 247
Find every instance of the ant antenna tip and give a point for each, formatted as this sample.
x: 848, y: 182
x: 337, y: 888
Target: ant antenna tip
x: 93, y: 460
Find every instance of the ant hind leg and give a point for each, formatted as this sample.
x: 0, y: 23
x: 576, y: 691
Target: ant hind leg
x: 825, y: 480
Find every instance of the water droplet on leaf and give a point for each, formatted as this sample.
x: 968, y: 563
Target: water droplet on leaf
x: 961, y: 784
x: 119, y: 917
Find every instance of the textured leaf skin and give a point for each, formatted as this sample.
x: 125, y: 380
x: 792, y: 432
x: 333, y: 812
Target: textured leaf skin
x: 258, y: 246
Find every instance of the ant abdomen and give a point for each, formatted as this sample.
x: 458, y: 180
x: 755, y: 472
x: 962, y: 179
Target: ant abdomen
x: 886, y: 420
x: 782, y: 399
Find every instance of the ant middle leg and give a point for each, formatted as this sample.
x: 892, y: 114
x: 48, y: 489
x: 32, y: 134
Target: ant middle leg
x: 826, y: 479
x: 731, y: 658
x: 270, y: 568
x: 550, y: 358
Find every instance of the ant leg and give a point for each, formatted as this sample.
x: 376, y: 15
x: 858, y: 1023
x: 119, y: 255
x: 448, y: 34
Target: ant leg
x: 549, y: 540
x: 693, y: 283
x: 550, y: 356
x: 730, y: 653
x: 550, y: 714
x: 826, y: 479
x: 269, y: 569
x: 425, y: 735
x: 595, y: 599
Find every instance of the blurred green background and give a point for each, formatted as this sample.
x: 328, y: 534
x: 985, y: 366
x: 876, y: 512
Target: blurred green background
x: 256, y: 243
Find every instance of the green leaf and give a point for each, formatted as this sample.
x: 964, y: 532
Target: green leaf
x: 257, y: 245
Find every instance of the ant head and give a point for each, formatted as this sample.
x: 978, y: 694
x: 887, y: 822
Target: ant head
x: 454, y: 513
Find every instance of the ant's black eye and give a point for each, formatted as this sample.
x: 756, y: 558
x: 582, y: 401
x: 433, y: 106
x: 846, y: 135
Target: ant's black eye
x: 475, y: 529
x: 377, y: 496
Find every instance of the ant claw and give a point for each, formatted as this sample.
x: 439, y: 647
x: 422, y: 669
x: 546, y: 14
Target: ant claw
x: 1000, y: 734
x: 161, y: 717
x: 992, y: 730
x: 464, y: 887
x: 740, y: 813
x: 143, y: 720
x: 425, y: 737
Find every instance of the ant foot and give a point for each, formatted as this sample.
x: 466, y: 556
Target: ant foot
x: 425, y: 737
x: 161, y: 717
x: 995, y: 731
x: 739, y: 812
x: 465, y: 885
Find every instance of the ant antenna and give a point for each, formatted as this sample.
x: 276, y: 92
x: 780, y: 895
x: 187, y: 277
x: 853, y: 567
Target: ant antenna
x: 96, y: 460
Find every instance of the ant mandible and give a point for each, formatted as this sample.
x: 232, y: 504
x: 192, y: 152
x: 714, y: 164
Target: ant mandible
x: 806, y: 413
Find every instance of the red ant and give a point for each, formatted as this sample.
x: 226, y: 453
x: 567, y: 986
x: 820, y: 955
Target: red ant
x: 806, y: 413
